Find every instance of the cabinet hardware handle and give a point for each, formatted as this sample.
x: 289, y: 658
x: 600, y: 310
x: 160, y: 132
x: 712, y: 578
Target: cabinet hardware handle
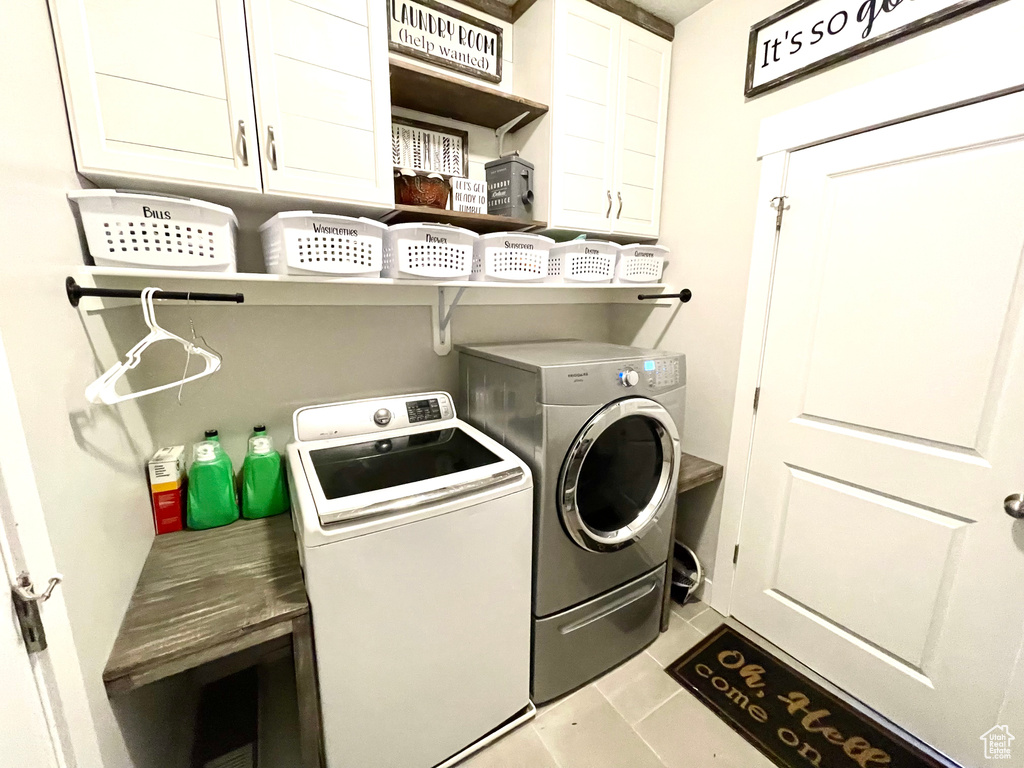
x: 243, y: 148
x: 272, y: 147
x: 609, y: 211
x: 619, y: 212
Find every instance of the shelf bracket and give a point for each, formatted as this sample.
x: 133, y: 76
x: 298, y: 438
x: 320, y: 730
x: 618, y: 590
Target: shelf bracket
x: 441, y: 320
x: 500, y: 132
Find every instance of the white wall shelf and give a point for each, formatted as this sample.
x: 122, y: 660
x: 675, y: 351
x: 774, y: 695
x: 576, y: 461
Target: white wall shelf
x: 301, y: 290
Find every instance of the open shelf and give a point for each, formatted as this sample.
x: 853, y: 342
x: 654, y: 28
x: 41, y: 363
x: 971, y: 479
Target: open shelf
x: 424, y: 90
x: 481, y: 223
x: 310, y: 290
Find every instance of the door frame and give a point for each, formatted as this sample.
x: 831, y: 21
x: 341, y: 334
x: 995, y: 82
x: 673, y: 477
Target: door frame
x: 57, y: 672
x: 934, y: 87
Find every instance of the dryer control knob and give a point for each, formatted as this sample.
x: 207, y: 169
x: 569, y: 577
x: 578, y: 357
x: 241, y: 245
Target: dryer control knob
x: 629, y: 378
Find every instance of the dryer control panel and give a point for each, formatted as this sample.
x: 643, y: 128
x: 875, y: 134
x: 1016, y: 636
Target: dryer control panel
x: 655, y: 373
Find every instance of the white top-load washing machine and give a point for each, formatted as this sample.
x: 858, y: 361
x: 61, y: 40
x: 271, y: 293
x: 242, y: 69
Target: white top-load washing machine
x: 415, y: 533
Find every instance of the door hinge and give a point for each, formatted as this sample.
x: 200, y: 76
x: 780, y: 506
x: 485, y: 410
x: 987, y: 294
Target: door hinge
x: 735, y: 554
x: 757, y: 397
x: 26, y: 608
x: 779, y: 204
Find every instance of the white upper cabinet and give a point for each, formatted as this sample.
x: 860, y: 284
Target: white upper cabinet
x: 644, y: 63
x: 584, y: 110
x: 265, y: 95
x: 603, y: 144
x: 159, y: 91
x: 320, y: 71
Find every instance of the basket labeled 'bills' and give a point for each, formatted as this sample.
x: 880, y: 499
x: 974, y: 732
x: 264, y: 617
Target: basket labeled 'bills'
x: 582, y: 261
x: 305, y: 243
x: 512, y: 256
x: 136, y: 229
x: 428, y: 251
x: 640, y: 263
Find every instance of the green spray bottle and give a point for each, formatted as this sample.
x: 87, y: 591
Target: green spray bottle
x: 263, y: 485
x: 212, y: 500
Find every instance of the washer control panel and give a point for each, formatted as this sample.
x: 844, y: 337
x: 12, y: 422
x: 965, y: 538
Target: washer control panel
x: 424, y: 410
x: 365, y: 417
x: 655, y: 374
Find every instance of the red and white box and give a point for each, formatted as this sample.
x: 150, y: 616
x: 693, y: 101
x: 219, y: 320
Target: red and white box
x: 167, y: 486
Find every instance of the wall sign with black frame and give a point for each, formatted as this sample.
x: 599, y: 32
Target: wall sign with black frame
x: 813, y: 34
x: 428, y: 30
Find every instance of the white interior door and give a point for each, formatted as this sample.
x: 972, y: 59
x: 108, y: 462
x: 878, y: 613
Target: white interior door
x: 642, y: 112
x: 159, y: 90
x: 323, y: 95
x: 586, y: 79
x: 874, y: 543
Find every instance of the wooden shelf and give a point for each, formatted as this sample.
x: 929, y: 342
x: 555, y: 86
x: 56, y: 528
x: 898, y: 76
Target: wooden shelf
x: 481, y: 223
x: 427, y: 91
x: 695, y: 472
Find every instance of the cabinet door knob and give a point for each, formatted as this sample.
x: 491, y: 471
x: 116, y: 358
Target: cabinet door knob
x: 619, y: 212
x: 243, y: 148
x: 609, y: 211
x: 272, y: 147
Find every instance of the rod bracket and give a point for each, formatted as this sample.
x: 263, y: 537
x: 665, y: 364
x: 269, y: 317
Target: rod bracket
x: 441, y: 321
x: 684, y: 296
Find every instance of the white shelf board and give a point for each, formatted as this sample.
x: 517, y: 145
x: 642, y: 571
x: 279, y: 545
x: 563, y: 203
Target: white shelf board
x: 311, y: 290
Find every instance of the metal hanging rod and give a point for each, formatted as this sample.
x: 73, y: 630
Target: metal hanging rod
x: 684, y: 295
x: 76, y: 292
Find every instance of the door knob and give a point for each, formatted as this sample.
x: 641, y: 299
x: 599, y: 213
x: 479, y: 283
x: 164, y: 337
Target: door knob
x: 1014, y: 505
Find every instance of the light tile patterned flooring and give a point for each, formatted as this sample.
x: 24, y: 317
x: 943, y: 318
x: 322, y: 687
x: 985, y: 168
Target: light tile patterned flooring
x: 635, y: 716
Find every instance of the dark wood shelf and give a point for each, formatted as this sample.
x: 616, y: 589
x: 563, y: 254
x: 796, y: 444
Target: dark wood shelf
x: 427, y: 91
x: 481, y: 223
x: 695, y: 472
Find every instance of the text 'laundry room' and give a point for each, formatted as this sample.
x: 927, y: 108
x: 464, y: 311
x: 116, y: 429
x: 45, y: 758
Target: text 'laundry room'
x: 512, y: 383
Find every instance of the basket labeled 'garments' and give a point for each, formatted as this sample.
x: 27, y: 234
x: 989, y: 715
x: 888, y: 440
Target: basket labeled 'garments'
x: 511, y: 256
x: 134, y: 229
x: 305, y: 243
x: 428, y: 251
x: 582, y: 261
x: 640, y: 263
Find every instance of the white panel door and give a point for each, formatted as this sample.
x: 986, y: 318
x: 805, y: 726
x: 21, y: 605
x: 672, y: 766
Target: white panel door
x: 320, y: 72
x: 586, y: 53
x: 159, y: 90
x: 874, y: 544
x: 642, y: 113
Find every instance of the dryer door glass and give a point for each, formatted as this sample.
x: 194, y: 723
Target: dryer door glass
x: 619, y: 474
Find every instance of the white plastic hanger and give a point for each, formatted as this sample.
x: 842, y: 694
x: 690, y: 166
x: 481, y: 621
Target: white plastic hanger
x: 102, y: 390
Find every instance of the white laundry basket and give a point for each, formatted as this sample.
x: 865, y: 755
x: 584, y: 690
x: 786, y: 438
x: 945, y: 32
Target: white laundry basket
x: 135, y: 229
x: 640, y: 263
x: 513, y: 256
x: 582, y: 261
x: 428, y: 251
x: 305, y: 243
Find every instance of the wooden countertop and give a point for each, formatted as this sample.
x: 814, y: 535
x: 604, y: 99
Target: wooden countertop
x: 203, y: 595
x: 695, y: 472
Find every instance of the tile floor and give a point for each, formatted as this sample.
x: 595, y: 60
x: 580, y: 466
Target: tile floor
x: 634, y: 716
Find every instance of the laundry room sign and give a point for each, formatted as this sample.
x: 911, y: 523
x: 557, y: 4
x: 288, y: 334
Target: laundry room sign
x: 813, y: 34
x: 433, y: 32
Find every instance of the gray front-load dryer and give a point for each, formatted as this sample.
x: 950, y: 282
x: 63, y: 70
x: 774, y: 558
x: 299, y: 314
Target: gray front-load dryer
x: 599, y: 425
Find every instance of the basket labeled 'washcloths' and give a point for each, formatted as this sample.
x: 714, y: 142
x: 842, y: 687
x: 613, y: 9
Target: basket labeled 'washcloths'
x: 582, y: 261
x: 304, y: 243
x: 511, y: 256
x: 135, y: 229
x: 428, y: 251
x: 640, y: 263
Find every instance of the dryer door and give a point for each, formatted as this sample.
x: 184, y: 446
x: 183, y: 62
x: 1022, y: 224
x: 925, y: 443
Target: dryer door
x: 619, y: 475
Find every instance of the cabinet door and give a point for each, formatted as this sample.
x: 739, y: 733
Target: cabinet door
x: 644, y: 65
x: 158, y: 91
x: 320, y: 72
x: 586, y: 78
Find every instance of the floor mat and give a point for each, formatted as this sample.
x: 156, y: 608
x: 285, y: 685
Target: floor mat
x: 792, y: 720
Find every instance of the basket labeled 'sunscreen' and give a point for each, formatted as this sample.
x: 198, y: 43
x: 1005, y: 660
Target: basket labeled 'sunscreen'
x: 640, y: 263
x: 582, y: 261
x: 428, y: 251
x: 136, y: 229
x: 511, y: 256
x: 304, y: 243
